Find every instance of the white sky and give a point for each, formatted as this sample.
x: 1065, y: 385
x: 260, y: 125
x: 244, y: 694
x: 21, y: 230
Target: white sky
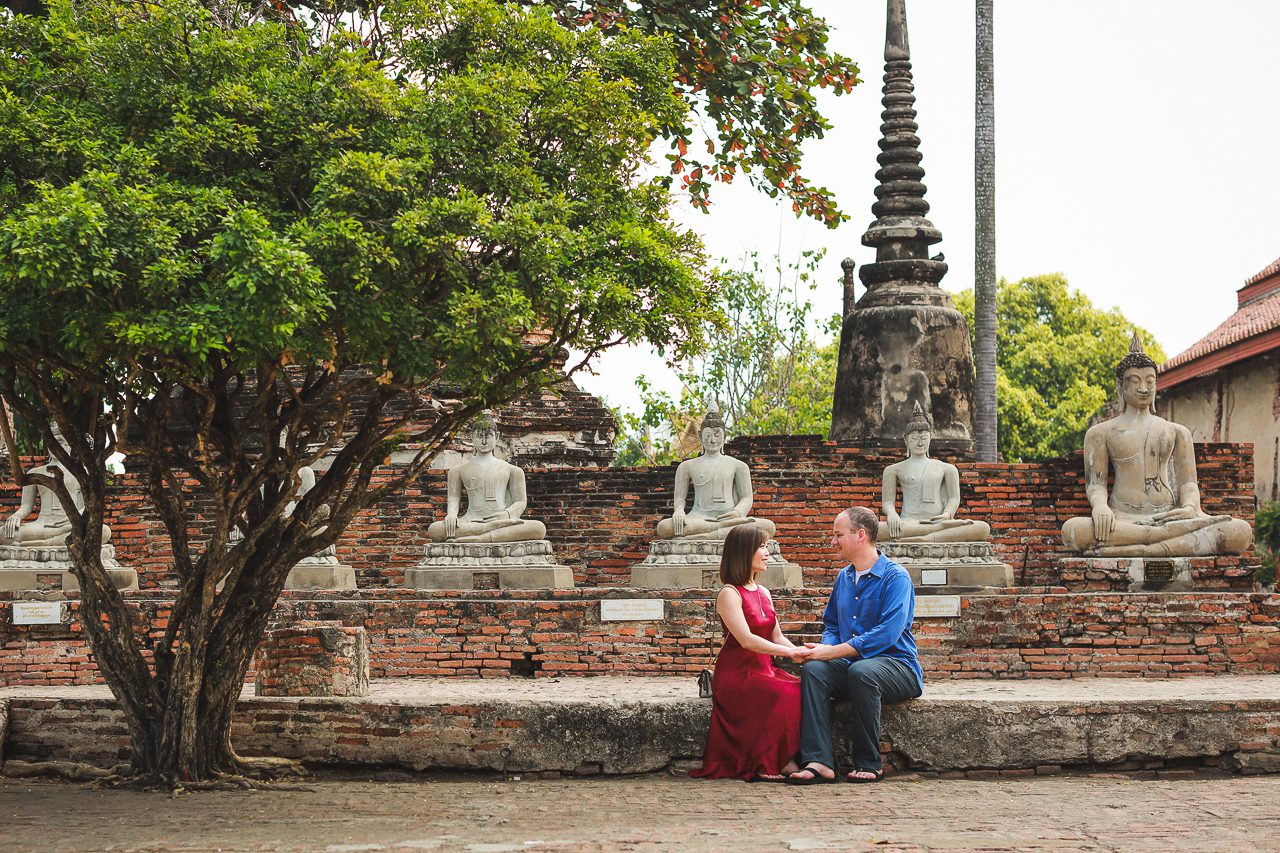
x: 1136, y: 150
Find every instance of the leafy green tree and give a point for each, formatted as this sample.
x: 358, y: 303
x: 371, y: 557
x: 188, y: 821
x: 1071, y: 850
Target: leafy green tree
x: 751, y: 69
x: 763, y: 367
x: 1057, y: 360
x: 235, y: 247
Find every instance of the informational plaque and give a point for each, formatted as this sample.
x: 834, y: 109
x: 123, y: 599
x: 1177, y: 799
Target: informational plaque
x: 1158, y: 570
x: 39, y: 612
x: 933, y: 577
x: 631, y: 609
x: 937, y: 606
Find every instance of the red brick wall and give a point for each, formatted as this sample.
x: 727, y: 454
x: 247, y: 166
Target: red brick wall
x: 600, y: 520
x: 1031, y: 634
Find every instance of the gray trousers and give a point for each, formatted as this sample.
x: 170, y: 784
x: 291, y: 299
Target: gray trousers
x: 866, y: 683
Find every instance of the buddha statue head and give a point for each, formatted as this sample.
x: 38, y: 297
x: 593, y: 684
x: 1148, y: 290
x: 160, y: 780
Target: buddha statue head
x: 711, y: 430
x: 484, y: 432
x: 919, y: 432
x: 1136, y: 379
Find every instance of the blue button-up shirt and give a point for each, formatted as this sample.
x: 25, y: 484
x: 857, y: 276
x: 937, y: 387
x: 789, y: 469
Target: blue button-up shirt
x: 874, y: 615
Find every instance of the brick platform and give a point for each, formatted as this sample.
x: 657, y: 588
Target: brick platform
x: 631, y: 725
x: 313, y: 659
x: 1047, y: 634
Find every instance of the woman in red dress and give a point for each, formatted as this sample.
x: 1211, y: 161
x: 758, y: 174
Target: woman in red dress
x: 755, y: 711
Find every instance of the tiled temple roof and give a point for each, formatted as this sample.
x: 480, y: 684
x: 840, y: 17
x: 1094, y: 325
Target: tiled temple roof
x: 1246, y: 333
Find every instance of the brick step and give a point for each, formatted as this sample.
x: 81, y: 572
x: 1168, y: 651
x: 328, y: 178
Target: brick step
x: 617, y: 725
x: 1035, y: 633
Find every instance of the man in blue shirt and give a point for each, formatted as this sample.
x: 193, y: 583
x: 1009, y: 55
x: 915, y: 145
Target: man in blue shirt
x: 867, y: 654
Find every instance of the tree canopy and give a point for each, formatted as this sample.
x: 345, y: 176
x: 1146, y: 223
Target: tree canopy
x: 748, y: 71
x: 236, y: 247
x: 751, y: 69
x: 1056, y: 365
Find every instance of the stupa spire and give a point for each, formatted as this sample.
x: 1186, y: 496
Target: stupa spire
x: 904, y: 348
x: 900, y: 231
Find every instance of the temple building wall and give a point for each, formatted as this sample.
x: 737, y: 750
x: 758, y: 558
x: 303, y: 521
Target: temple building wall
x: 1238, y: 403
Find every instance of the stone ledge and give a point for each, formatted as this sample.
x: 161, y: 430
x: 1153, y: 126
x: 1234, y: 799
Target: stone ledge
x: 632, y: 725
x: 1150, y: 574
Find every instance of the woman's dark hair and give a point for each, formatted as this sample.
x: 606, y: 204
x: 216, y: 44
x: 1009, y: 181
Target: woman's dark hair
x: 738, y: 552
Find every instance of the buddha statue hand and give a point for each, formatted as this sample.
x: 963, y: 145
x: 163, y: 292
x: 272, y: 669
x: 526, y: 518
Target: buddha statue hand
x: 1104, y: 521
x: 1178, y: 514
x: 677, y: 522
x: 9, y: 531
x: 451, y: 525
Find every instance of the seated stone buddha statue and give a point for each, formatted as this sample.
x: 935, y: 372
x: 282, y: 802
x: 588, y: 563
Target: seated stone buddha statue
x: 1153, y: 506
x: 930, y: 494
x: 495, y: 496
x: 722, y: 495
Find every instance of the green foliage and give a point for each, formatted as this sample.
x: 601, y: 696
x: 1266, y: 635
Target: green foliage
x: 1055, y: 363
x: 763, y: 367
x: 1266, y: 525
x: 753, y: 69
x: 250, y: 192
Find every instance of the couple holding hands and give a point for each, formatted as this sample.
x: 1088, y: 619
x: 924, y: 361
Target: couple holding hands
x: 769, y: 726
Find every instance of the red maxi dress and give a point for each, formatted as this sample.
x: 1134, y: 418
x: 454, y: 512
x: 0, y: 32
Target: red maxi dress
x: 755, y: 710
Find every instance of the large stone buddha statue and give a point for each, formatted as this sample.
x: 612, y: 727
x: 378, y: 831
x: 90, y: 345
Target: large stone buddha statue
x: 51, y: 526
x: 31, y: 549
x: 489, y: 546
x: 1153, y: 506
x: 722, y: 495
x: 495, y: 496
x: 686, y: 554
x: 930, y: 494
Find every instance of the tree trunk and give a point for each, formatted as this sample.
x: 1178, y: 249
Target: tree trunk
x: 984, y: 282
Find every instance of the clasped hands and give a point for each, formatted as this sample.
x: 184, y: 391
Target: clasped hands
x: 815, y: 651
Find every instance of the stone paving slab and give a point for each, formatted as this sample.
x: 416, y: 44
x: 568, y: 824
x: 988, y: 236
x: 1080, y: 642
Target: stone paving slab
x: 478, y: 814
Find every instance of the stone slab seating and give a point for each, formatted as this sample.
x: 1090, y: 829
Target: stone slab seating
x: 490, y: 546
x: 1152, y: 508
x: 686, y: 554
x: 34, y: 553
x: 925, y: 537
x: 509, y: 725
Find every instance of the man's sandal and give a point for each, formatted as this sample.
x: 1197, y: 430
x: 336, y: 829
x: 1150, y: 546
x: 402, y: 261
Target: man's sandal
x: 815, y: 778
x: 873, y: 776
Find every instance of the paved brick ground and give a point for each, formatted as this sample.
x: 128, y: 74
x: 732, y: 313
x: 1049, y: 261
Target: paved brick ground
x: 657, y: 812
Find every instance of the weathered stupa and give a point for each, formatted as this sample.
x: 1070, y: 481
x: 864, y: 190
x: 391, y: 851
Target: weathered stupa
x: 904, y: 342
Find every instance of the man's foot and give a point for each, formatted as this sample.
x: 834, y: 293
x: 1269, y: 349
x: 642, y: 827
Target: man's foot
x: 812, y: 773
x: 862, y: 777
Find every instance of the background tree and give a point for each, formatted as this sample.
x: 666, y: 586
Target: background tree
x: 1058, y: 355
x: 236, y: 247
x: 983, y: 323
x: 766, y: 366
